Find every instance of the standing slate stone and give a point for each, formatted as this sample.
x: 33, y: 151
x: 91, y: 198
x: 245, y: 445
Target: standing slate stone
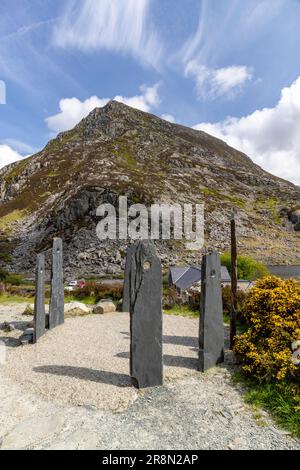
x: 56, y: 308
x: 39, y: 301
x: 145, y: 306
x: 126, y: 288
x: 211, y: 336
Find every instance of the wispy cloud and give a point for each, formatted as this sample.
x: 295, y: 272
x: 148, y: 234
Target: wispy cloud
x: 226, y: 27
x: 24, y: 63
x: 24, y: 30
x: 72, y: 110
x: 270, y: 135
x: 211, y: 84
x: 118, y: 25
x: 21, y: 147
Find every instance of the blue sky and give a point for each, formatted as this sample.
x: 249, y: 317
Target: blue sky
x: 229, y: 67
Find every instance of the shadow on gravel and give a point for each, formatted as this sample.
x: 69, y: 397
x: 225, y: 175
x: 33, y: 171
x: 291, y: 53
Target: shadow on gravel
x: 181, y: 361
x: 83, y: 373
x: 169, y: 360
x: 180, y: 340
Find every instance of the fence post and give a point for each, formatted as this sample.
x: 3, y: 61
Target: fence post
x: 233, y: 312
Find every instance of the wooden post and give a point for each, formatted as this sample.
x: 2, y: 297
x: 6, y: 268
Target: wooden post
x: 233, y: 282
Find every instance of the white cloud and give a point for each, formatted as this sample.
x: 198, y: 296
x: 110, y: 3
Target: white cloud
x: 168, y: 117
x: 118, y: 25
x: 20, y: 147
x: 8, y: 155
x: 271, y: 136
x: 72, y: 110
x: 213, y: 83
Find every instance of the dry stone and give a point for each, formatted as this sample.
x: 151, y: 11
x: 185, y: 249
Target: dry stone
x: 104, y: 307
x: 76, y: 309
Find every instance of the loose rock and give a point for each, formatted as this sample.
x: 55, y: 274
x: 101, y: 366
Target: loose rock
x: 104, y: 307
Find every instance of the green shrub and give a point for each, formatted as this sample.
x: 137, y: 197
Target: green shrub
x: 5, y: 257
x: 171, y: 298
x: 99, y: 291
x: 20, y: 290
x: 227, y: 303
x: 247, y: 268
x: 272, y: 311
x: 3, y: 274
x: 193, y: 300
x: 14, y: 279
x: 10, y: 278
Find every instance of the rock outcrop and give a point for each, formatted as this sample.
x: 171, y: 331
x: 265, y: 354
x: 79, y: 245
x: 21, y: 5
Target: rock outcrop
x: 118, y: 150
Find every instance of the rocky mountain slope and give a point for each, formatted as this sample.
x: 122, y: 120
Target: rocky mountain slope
x: 118, y: 150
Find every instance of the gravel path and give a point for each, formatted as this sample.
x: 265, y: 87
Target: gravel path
x: 72, y: 391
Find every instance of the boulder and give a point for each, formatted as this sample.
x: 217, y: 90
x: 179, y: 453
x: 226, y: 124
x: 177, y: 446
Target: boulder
x: 76, y: 309
x: 29, y: 310
x: 27, y: 336
x: 7, y: 327
x: 104, y: 307
x: 295, y: 218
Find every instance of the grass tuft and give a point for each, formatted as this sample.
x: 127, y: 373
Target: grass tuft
x: 182, y: 311
x: 279, y: 399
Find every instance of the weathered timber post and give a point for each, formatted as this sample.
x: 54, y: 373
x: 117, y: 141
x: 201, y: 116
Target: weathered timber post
x: 143, y: 287
x: 211, y: 331
x: 234, y: 306
x: 56, y: 308
x: 39, y: 300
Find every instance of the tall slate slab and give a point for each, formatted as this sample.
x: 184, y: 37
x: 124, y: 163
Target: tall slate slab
x: 39, y: 301
x: 56, y: 308
x: 211, y: 331
x: 126, y: 288
x: 145, y: 306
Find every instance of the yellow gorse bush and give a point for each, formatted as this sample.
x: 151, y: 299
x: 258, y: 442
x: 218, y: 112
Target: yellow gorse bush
x: 272, y: 310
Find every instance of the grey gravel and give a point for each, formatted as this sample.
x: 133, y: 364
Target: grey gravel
x: 191, y: 411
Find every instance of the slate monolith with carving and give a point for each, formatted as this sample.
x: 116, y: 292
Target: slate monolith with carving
x: 211, y: 335
x: 39, y: 301
x: 145, y: 305
x: 56, y: 308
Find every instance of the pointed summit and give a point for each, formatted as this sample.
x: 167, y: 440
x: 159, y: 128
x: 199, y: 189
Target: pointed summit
x: 117, y: 151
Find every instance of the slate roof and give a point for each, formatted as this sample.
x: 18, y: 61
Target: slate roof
x: 177, y: 272
x: 185, y: 277
x: 225, y: 276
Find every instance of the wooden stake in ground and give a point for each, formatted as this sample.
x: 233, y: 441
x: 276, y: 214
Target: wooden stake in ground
x: 233, y: 282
